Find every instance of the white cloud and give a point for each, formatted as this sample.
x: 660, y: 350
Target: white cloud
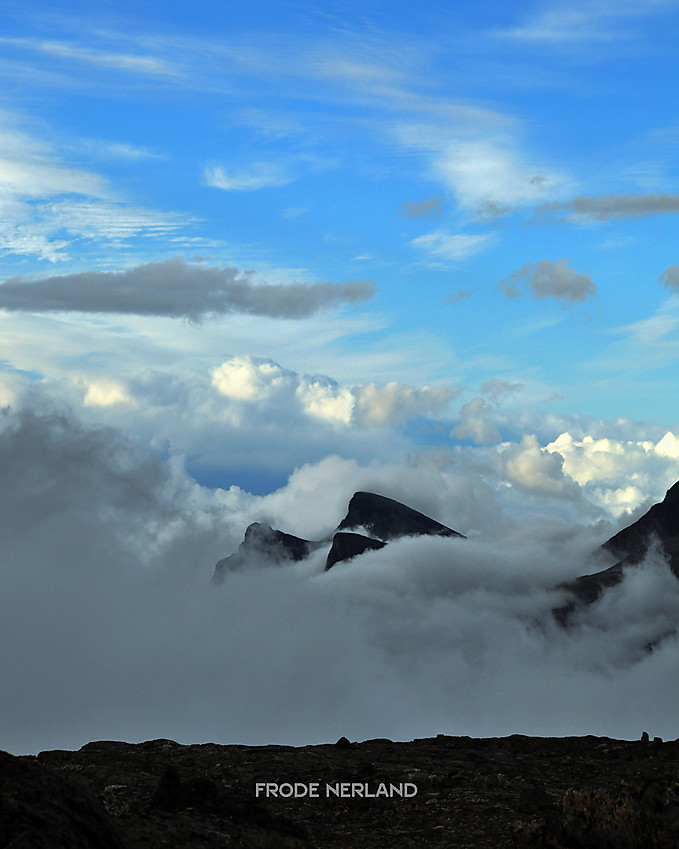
x: 484, y: 172
x: 45, y: 204
x: 324, y: 400
x: 135, y: 64
x: 106, y: 393
x: 260, y: 175
x: 247, y: 379
x: 536, y: 470
x: 577, y: 21
x: 619, y: 474
x: 451, y: 246
x: 394, y: 403
x: 474, y: 425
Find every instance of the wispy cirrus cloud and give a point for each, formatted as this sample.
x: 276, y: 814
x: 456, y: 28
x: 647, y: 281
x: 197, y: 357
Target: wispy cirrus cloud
x: 452, y: 246
x: 176, y: 289
x: 134, y: 63
x: 259, y: 175
x: 605, y: 20
x: 46, y: 203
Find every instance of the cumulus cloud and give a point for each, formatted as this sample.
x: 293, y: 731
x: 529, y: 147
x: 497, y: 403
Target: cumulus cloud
x: 475, y: 416
x: 618, y: 474
x: 252, y: 380
x: 111, y: 629
x: 474, y: 425
x: 106, y: 393
x: 397, y: 403
x: 612, y: 207
x: 176, y: 289
x: 536, y: 470
x: 547, y: 279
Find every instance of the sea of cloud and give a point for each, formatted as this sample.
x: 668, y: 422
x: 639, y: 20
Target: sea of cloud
x: 111, y: 628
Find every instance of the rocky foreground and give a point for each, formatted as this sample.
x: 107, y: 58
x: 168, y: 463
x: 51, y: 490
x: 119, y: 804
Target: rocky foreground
x: 525, y: 792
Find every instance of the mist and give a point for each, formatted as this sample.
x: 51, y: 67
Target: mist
x: 111, y: 628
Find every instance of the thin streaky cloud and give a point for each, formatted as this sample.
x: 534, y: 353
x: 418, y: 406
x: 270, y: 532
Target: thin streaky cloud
x: 451, y: 246
x: 602, y: 21
x: 131, y: 63
x: 261, y: 175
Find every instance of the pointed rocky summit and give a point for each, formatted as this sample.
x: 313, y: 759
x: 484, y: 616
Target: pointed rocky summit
x: 380, y: 518
x: 264, y: 542
x: 387, y: 519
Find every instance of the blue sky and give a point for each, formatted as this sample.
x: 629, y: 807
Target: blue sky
x: 436, y: 228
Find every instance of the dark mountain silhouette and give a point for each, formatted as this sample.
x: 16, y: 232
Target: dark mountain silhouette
x: 261, y: 541
x: 346, y: 545
x: 381, y: 517
x: 387, y: 519
x: 658, y: 527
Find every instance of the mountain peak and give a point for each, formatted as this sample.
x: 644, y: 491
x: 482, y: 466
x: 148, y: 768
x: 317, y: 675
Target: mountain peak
x: 387, y: 519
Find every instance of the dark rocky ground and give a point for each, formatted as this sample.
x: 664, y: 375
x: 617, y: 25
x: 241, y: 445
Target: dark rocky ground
x: 525, y: 792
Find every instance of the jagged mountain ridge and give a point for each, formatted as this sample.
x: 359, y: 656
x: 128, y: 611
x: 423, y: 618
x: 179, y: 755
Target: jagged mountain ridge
x: 383, y: 518
x: 372, y: 520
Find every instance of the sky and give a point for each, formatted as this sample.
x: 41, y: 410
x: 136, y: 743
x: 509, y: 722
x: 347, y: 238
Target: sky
x: 255, y: 257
